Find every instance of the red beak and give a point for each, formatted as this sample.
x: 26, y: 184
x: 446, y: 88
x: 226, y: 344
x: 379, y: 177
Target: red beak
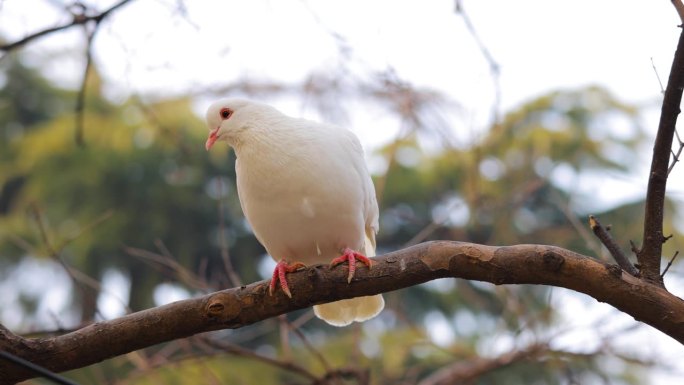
x: 213, y: 136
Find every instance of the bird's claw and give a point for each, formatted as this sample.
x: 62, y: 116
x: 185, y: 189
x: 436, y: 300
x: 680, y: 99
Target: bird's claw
x: 351, y: 256
x: 279, y: 272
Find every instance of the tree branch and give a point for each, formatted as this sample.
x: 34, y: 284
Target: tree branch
x: 237, y: 307
x: 680, y: 8
x: 615, y: 250
x: 651, y: 251
x: 466, y: 371
x: 240, y: 351
x: 78, y: 19
x: 81, y: 97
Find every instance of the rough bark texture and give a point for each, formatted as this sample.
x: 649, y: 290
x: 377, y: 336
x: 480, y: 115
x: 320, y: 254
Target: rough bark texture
x: 237, y: 307
x: 651, y: 251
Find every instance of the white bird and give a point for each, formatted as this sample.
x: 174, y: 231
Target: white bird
x: 306, y: 192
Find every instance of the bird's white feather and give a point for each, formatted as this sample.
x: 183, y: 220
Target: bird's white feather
x: 305, y: 190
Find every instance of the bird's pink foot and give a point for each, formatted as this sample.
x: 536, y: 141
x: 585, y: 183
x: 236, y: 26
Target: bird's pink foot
x: 351, y: 256
x: 279, y: 272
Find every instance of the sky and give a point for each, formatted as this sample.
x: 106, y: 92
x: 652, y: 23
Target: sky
x: 155, y: 48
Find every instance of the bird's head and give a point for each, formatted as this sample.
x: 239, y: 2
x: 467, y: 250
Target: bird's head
x: 227, y: 118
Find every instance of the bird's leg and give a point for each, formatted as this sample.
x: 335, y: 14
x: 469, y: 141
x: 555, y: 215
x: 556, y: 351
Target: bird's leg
x: 279, y: 272
x: 351, y: 256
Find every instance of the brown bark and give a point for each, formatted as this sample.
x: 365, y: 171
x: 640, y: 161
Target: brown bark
x: 233, y: 308
x: 650, y: 254
x: 78, y: 19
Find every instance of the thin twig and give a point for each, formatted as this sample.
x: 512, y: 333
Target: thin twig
x: 494, y: 68
x: 425, y: 232
x: 79, y: 278
x: 79, y: 19
x: 181, y: 273
x: 326, y: 365
x: 669, y: 264
x: 612, y: 246
x: 362, y: 376
x: 433, y: 226
x: 564, y: 206
x: 675, y: 156
x: 81, y: 97
x: 284, y: 331
x: 106, y: 215
x: 655, y: 70
x: 302, y: 319
x: 314, y: 351
x: 225, y: 253
x: 54, y: 377
x: 403, y: 134
x: 465, y: 372
x: 240, y: 351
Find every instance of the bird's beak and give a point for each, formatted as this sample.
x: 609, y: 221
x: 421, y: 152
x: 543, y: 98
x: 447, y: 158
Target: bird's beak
x: 213, y: 136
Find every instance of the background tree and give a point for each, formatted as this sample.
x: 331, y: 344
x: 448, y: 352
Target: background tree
x: 139, y: 197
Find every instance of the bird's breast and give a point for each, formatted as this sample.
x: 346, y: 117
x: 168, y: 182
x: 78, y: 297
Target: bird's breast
x: 303, y: 209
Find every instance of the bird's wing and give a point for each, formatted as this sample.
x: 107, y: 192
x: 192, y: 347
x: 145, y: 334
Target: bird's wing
x: 371, y: 212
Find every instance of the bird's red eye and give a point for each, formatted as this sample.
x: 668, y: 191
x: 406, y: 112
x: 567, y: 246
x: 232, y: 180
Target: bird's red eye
x: 226, y: 113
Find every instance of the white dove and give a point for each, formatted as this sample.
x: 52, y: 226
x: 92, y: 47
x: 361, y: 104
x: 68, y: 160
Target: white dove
x: 306, y: 192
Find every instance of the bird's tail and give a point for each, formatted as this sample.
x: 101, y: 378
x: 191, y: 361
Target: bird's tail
x: 346, y: 311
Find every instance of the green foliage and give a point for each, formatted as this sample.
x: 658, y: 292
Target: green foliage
x: 143, y: 169
x: 144, y: 180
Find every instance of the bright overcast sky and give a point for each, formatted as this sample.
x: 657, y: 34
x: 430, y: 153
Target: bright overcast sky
x: 148, y: 47
x: 152, y: 48
x: 540, y: 45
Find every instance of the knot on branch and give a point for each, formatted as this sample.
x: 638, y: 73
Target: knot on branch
x: 223, y: 306
x: 614, y: 270
x: 552, y: 261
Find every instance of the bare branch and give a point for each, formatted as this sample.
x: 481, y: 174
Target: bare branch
x: 79, y: 278
x: 81, y: 97
x: 655, y: 70
x: 676, y: 155
x: 237, y: 307
x: 463, y: 372
x: 233, y: 276
x: 649, y: 255
x: 240, y: 351
x: 615, y: 250
x: 319, y: 356
x: 669, y: 264
x: 79, y: 19
x: 494, y: 68
x: 564, y: 206
x: 679, y: 6
x: 177, y: 271
x: 39, y: 370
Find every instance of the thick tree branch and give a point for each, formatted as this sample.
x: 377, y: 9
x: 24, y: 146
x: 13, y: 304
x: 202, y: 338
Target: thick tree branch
x: 237, y: 307
x: 650, y: 253
x: 679, y: 6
